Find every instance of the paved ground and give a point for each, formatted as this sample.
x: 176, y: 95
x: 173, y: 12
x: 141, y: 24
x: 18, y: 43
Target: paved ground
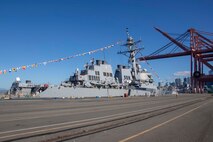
x: 196, y: 125
x: 190, y: 124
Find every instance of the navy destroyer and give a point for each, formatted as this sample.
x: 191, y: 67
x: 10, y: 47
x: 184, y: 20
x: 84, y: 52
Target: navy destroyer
x: 97, y: 79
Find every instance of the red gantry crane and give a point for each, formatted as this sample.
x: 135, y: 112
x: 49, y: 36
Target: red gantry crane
x: 193, y: 43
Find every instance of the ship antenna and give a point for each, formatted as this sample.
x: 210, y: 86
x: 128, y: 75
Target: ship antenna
x: 127, y: 32
x: 131, y: 53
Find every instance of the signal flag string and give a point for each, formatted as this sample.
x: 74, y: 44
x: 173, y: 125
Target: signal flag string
x: 24, y: 67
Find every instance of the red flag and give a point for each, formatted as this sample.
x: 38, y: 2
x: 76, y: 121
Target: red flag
x: 24, y: 67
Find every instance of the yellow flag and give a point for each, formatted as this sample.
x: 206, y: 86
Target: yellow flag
x: 14, y: 69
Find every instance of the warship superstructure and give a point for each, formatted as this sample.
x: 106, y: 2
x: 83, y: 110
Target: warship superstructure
x: 25, y: 89
x: 97, y: 79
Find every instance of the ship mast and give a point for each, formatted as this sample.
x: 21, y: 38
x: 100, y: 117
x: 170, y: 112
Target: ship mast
x: 131, y: 52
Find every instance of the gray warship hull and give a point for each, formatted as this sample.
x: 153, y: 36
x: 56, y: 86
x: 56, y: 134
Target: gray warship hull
x: 75, y: 92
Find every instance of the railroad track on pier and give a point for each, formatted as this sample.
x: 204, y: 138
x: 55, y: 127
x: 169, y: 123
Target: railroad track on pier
x: 71, y: 130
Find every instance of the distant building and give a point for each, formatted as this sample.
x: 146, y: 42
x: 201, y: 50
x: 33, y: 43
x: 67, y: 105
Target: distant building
x: 178, y: 82
x: 211, y: 72
x: 172, y: 84
x: 186, y: 81
x: 159, y: 84
x: 210, y: 83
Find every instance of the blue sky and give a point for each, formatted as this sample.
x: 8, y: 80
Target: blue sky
x: 33, y: 31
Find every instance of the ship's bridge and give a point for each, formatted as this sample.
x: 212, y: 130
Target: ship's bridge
x: 101, y: 71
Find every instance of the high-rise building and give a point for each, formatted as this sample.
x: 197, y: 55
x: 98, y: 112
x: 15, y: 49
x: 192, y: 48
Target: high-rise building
x: 186, y: 81
x: 178, y: 82
x: 159, y: 84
